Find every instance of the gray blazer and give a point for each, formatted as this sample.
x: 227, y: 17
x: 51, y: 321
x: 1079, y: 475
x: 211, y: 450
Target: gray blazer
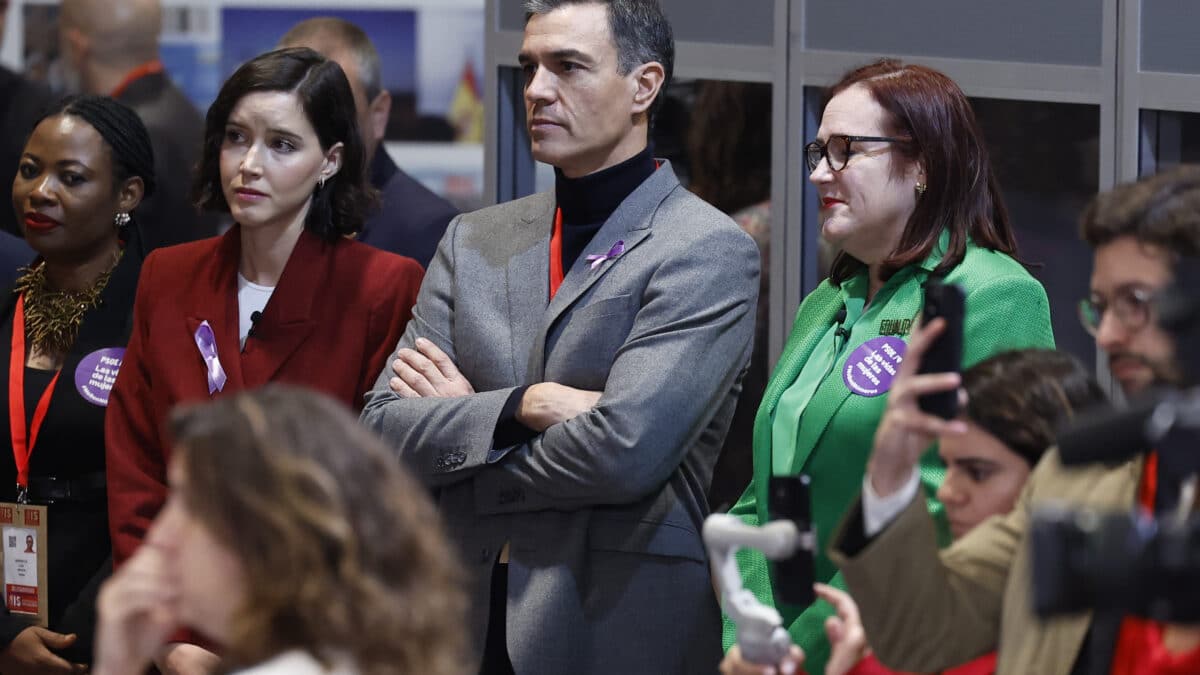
x: 607, y: 569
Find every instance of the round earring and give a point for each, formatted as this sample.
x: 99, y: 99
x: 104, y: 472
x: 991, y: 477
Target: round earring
x: 920, y: 187
x: 121, y: 219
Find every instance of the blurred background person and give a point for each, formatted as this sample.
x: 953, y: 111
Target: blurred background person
x: 410, y: 219
x: 729, y: 149
x: 21, y: 103
x: 1016, y: 401
x: 285, y: 295
x: 906, y: 195
x: 294, y: 540
x: 84, y: 169
x: 110, y: 48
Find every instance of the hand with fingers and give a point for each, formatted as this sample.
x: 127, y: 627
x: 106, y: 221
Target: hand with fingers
x: 32, y: 653
x: 548, y: 403
x: 844, y: 630
x: 427, y: 372
x: 905, y: 431
x: 137, y: 610
x: 734, y: 664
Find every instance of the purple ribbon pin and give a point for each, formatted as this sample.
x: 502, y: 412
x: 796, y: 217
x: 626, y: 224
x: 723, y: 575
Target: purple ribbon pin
x: 616, y: 250
x: 207, y: 343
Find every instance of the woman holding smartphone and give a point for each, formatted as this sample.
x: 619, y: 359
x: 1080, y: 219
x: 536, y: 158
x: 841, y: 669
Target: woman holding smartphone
x: 907, y: 196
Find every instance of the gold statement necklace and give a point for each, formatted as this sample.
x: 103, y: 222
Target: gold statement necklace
x: 52, y: 317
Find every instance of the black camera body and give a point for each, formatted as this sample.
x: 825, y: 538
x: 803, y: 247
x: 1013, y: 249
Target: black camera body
x: 1127, y: 563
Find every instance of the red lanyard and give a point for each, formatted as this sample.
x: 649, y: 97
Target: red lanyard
x: 1147, y: 491
x: 556, y: 270
x: 22, y: 444
x: 147, y: 68
x: 556, y: 266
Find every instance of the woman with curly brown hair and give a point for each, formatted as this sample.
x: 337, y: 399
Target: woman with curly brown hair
x: 294, y: 541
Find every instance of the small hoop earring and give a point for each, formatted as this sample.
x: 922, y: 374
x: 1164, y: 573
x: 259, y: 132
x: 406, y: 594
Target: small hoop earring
x: 121, y: 219
x: 920, y: 189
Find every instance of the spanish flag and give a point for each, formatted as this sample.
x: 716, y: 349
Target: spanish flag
x: 466, y: 110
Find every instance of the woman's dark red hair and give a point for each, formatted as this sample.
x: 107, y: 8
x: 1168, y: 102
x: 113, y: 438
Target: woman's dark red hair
x: 961, y: 194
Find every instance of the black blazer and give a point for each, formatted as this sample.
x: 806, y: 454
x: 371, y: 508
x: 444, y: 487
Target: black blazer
x: 411, y: 219
x: 176, y: 133
x: 21, y: 103
x: 70, y: 445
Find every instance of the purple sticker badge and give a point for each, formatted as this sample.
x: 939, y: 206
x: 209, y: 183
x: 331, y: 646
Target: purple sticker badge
x: 870, y: 369
x: 96, y: 374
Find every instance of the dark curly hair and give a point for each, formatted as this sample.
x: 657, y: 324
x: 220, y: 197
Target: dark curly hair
x: 342, y: 551
x: 1022, y: 397
x: 121, y: 129
x: 340, y: 207
x: 1163, y: 209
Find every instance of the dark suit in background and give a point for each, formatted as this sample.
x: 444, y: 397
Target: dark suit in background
x: 411, y: 219
x: 176, y: 132
x: 21, y: 103
x: 14, y: 254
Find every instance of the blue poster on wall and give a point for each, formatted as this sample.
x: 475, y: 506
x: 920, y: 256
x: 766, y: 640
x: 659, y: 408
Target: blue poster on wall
x: 247, y: 32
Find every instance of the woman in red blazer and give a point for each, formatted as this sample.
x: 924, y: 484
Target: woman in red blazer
x: 285, y: 296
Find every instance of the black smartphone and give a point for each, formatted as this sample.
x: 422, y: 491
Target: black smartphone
x: 945, y: 354
x: 788, y: 499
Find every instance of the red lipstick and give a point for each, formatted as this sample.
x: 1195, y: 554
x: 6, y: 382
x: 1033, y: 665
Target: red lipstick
x: 39, y: 222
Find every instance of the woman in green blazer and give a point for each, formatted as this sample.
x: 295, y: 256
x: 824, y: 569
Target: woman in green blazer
x: 907, y: 194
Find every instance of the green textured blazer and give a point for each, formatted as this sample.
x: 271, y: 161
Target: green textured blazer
x: 1006, y: 308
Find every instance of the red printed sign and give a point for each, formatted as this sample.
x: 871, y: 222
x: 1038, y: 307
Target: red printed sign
x: 22, y: 599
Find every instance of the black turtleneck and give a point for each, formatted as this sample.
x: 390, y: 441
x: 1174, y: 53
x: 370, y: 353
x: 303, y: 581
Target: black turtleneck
x: 586, y: 202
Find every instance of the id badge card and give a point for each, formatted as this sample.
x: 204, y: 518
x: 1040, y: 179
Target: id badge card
x: 23, y: 534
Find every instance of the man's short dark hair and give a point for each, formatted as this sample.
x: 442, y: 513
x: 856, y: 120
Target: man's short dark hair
x: 1163, y: 209
x: 640, y: 31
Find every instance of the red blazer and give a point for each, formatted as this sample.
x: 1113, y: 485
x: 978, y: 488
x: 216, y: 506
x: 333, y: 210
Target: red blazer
x: 336, y: 314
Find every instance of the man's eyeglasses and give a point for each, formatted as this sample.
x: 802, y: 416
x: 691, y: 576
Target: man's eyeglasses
x: 837, y: 150
x: 1131, y: 305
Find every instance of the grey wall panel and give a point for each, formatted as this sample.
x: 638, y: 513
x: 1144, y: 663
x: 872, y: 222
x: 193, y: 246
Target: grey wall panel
x: 740, y: 22
x: 1064, y: 32
x: 1169, y: 41
x: 511, y: 16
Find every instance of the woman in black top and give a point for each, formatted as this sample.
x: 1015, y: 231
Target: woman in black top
x: 63, y: 327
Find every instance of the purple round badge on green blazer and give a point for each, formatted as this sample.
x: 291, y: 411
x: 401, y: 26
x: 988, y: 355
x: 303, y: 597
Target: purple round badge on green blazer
x: 96, y: 374
x: 870, y: 369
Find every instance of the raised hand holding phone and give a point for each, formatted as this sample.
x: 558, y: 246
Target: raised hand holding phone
x: 906, y: 431
x: 945, y: 353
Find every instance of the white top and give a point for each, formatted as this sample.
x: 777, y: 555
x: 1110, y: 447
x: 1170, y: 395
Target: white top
x: 251, y: 298
x: 298, y: 662
x: 879, y: 512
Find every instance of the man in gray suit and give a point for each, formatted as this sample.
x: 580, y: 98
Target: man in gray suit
x: 572, y: 366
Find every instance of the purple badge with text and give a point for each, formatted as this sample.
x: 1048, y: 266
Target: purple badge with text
x: 870, y: 369
x: 96, y: 374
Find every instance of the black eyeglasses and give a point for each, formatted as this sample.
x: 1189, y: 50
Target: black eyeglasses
x: 1131, y: 305
x: 837, y: 150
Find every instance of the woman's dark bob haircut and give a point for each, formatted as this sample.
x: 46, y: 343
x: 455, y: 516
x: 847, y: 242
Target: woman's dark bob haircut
x: 932, y: 113
x: 339, y: 208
